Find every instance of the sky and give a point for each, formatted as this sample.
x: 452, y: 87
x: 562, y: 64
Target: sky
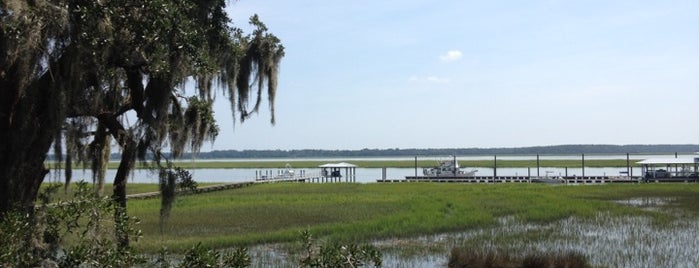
x: 462, y: 74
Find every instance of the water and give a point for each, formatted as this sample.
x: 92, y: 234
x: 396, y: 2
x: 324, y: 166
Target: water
x: 370, y: 175
x: 363, y: 175
x: 465, y: 158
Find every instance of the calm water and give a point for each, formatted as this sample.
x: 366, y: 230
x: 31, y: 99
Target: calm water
x: 470, y: 157
x: 363, y: 175
x: 370, y: 175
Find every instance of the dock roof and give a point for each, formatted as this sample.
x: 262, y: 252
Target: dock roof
x: 668, y: 161
x: 338, y: 165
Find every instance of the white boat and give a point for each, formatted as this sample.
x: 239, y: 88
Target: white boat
x: 448, y: 169
x: 549, y: 179
x: 287, y: 173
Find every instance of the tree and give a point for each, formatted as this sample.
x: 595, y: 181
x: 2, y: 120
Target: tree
x: 80, y: 73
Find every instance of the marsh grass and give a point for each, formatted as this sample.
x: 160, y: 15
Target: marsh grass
x: 615, y: 225
x: 274, y: 213
x: 477, y: 257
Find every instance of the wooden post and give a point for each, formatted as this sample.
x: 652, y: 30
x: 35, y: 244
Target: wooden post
x: 416, y: 166
x: 628, y: 166
x: 495, y: 166
x: 583, y: 166
x: 537, y: 165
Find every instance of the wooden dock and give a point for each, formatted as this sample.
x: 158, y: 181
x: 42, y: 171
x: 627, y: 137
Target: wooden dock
x: 219, y: 187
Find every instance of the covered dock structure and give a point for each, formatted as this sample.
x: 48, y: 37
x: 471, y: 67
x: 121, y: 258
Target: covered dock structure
x: 670, y: 169
x: 332, y: 172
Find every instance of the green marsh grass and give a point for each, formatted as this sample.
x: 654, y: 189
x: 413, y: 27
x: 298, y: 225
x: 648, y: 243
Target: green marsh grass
x: 272, y: 213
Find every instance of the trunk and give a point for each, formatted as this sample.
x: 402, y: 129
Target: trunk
x: 128, y: 158
x: 69, y: 172
x: 28, y: 124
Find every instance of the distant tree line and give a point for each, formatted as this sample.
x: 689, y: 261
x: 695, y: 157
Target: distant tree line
x: 395, y: 152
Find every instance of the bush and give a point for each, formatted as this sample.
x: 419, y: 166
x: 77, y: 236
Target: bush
x: 87, y: 220
x: 198, y: 256
x: 338, y: 255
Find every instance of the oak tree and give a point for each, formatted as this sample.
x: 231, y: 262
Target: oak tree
x: 86, y: 75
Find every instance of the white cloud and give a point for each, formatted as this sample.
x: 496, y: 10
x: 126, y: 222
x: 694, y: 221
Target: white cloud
x: 451, y: 55
x: 430, y: 79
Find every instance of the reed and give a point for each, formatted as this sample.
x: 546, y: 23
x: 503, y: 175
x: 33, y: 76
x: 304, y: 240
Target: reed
x: 492, y: 258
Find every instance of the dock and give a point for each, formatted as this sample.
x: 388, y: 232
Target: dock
x: 527, y: 179
x: 220, y: 187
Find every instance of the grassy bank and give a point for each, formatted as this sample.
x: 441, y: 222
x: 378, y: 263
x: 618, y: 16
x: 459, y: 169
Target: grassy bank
x: 279, y: 212
x: 398, y: 163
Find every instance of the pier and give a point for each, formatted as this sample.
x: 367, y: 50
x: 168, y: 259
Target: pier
x: 519, y: 179
x: 549, y: 180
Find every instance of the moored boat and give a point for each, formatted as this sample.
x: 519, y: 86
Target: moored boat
x: 445, y: 169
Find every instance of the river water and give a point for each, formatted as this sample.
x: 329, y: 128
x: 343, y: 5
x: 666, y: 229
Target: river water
x: 370, y: 175
x: 363, y: 175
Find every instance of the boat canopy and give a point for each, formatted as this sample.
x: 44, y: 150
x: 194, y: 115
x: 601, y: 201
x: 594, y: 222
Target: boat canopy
x: 669, y: 161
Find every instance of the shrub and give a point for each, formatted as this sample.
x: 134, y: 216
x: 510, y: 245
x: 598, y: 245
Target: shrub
x: 338, y: 255
x: 38, y: 239
x: 199, y: 256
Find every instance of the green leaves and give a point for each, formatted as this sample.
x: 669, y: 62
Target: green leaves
x: 83, y: 220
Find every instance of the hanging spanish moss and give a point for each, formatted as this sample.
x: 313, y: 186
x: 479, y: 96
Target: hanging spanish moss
x: 168, y: 183
x: 99, y: 150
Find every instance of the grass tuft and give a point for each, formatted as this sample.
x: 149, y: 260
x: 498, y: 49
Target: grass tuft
x: 494, y: 258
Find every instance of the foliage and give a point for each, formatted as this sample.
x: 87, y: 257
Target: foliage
x: 185, y: 182
x: 68, y: 233
x: 338, y: 255
x: 198, y: 256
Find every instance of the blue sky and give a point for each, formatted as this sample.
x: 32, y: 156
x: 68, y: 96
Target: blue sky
x: 444, y: 74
